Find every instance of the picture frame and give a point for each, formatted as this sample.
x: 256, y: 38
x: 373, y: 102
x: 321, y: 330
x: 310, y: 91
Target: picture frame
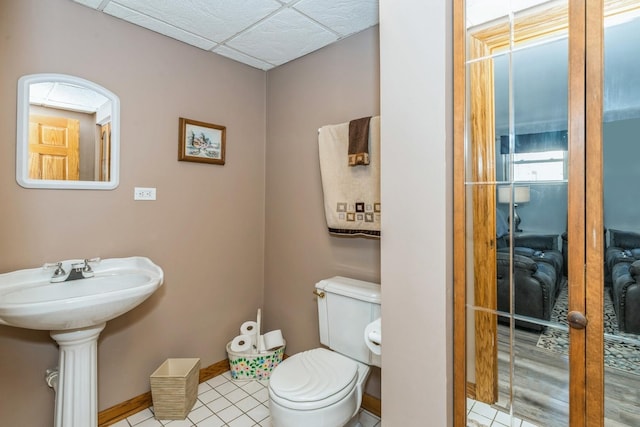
x: 201, y: 142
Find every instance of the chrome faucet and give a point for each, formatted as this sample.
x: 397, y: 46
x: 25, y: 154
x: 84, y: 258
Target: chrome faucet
x: 78, y: 270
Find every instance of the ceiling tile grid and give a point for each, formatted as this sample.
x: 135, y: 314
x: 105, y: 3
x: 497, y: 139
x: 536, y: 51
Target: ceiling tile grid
x: 158, y: 26
x: 285, y: 35
x: 259, y: 33
x: 212, y: 20
x: 241, y: 57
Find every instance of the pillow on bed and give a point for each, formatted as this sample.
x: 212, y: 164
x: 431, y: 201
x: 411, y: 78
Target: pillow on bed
x: 624, y: 239
x: 541, y: 242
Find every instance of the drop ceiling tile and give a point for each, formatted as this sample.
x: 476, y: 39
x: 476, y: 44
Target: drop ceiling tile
x: 66, y: 96
x: 260, y: 33
x: 241, y: 57
x: 343, y: 16
x: 213, y: 20
x: 157, y: 26
x: 283, y: 37
x: 39, y: 91
x: 75, y: 95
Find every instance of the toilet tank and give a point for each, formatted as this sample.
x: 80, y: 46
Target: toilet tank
x: 345, y: 309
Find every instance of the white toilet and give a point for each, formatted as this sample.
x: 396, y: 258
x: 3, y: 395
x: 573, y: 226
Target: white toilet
x: 323, y: 388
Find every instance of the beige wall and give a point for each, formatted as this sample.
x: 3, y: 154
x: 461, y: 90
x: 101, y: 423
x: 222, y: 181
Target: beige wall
x: 206, y: 229
x: 415, y: 58
x: 333, y: 85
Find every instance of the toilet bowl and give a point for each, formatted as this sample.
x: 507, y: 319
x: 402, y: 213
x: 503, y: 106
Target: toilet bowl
x: 324, y: 387
x: 316, y: 388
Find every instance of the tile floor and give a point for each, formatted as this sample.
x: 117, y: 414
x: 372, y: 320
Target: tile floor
x: 480, y: 414
x: 224, y: 402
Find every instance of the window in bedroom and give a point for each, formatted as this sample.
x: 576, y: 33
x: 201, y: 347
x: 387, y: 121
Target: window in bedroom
x: 540, y: 166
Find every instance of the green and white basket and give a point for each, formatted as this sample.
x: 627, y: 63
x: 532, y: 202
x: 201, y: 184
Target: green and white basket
x: 258, y: 366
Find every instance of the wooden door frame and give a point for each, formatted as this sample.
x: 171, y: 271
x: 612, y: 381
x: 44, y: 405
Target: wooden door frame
x: 459, y: 227
x: 576, y: 209
x: 585, y: 123
x: 65, y: 151
x: 593, y: 238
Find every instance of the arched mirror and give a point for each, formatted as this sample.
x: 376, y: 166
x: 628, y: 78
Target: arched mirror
x: 68, y: 133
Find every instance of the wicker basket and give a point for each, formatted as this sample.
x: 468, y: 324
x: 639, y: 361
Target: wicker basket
x: 258, y: 366
x: 174, y: 388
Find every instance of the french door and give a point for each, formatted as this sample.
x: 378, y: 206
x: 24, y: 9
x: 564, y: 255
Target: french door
x: 536, y: 199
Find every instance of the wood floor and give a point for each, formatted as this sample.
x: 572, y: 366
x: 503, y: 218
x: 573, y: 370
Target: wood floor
x: 540, y: 385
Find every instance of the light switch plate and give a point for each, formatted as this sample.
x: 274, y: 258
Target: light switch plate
x: 144, y: 193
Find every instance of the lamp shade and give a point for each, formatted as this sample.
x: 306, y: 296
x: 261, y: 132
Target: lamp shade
x: 521, y: 194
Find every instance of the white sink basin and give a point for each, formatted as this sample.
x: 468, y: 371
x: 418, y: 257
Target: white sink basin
x: 29, y: 300
x: 75, y: 312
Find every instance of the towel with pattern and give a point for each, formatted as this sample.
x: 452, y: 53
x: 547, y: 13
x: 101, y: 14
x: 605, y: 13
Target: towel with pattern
x: 351, y: 193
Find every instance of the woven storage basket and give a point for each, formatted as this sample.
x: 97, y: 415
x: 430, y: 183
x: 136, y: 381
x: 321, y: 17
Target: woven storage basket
x: 258, y: 366
x: 174, y: 388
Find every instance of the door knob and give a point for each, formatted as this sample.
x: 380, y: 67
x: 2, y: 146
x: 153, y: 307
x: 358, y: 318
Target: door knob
x: 576, y: 320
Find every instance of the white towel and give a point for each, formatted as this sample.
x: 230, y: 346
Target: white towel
x: 351, y: 194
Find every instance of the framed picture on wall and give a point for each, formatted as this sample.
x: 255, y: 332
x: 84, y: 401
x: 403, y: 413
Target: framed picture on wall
x: 201, y: 142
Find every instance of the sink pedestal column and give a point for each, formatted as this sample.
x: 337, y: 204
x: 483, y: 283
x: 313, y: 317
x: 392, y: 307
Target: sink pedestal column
x: 77, y: 396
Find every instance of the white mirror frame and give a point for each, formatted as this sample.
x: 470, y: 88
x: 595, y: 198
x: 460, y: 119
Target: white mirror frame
x: 22, y: 135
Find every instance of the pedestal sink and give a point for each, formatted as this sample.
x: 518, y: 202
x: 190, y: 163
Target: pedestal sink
x: 75, y: 312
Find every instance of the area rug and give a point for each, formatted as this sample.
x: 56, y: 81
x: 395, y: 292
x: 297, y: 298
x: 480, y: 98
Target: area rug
x: 621, y: 351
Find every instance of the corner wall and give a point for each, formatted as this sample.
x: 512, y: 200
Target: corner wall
x: 416, y: 125
x: 333, y: 85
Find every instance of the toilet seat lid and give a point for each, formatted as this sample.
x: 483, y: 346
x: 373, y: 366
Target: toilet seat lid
x: 315, y: 378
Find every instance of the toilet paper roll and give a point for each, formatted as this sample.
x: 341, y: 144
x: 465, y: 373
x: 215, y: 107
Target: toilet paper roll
x: 241, y: 344
x: 273, y: 339
x: 250, y: 328
x: 373, y: 336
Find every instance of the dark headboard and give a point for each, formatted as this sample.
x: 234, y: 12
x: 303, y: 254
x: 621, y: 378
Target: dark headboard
x: 624, y: 239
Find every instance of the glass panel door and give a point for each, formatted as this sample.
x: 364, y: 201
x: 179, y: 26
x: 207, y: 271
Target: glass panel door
x: 516, y: 180
x: 550, y: 192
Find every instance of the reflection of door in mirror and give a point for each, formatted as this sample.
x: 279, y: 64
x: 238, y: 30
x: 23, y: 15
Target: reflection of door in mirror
x: 84, y: 132
x: 53, y: 147
x: 104, y: 159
